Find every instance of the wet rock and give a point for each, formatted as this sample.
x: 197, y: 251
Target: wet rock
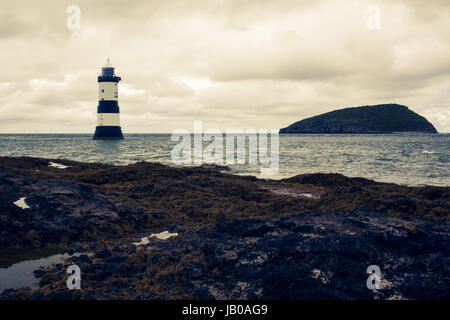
x: 103, y: 253
x: 9, y: 294
x: 38, y: 273
x: 60, y: 212
x: 76, y: 248
x: 84, y: 258
x: 65, y: 294
x: 213, y: 166
x: 235, y: 240
x: 38, y: 295
x: 116, y: 259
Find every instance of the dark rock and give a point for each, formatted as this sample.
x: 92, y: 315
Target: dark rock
x: 65, y: 294
x: 38, y: 273
x: 103, y: 253
x: 93, y: 246
x: 93, y: 268
x: 84, y: 258
x: 8, y: 294
x: 116, y: 259
x: 236, y: 240
x: 213, y: 166
x: 202, y: 294
x: 137, y: 269
x: 38, y: 295
x: 76, y: 248
x: 115, y: 268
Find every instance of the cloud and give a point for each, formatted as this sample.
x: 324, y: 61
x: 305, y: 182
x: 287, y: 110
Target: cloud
x: 232, y: 64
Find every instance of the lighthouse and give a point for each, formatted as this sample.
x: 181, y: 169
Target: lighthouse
x: 108, y: 116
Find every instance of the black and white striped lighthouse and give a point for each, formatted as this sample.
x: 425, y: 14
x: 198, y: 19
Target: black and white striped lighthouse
x: 108, y: 116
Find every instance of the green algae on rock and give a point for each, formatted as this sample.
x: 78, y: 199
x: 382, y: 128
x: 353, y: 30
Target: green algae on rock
x: 227, y: 227
x: 92, y: 201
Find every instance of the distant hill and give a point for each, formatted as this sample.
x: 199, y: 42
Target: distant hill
x: 383, y: 118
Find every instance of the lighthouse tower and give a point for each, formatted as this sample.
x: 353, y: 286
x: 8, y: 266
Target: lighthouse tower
x: 108, y: 116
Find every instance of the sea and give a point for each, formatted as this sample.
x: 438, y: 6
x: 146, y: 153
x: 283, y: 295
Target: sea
x: 411, y: 159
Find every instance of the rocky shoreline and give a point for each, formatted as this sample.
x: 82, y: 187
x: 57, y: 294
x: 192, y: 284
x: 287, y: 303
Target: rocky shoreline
x: 237, y: 237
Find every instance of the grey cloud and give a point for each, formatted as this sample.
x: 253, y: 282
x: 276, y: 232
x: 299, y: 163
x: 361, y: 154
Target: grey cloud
x: 241, y: 64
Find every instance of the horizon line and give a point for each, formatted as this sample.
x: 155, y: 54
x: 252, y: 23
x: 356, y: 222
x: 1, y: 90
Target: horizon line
x: 89, y: 133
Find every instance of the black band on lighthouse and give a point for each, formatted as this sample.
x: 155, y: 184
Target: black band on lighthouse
x: 108, y: 78
x: 108, y: 133
x: 108, y: 107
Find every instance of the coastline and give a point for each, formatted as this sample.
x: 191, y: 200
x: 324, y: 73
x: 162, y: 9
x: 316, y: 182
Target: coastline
x: 227, y: 227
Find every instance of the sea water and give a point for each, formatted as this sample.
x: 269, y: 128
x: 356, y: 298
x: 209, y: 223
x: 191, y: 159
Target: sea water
x: 409, y: 158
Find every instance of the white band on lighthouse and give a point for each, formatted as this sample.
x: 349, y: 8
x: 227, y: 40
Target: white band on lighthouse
x: 108, y: 119
x: 107, y: 91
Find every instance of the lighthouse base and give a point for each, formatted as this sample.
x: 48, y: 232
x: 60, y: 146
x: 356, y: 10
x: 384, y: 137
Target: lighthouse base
x: 108, y: 133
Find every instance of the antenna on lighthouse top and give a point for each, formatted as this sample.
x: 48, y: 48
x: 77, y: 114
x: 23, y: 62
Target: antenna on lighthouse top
x: 108, y: 64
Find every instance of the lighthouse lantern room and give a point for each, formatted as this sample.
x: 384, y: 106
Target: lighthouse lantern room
x: 108, y: 115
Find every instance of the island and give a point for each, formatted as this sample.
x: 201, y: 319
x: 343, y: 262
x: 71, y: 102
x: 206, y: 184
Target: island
x: 383, y: 118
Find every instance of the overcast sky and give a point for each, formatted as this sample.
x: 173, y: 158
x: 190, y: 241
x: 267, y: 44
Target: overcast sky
x: 231, y: 64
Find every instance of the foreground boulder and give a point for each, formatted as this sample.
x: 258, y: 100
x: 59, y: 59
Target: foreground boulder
x: 60, y: 212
